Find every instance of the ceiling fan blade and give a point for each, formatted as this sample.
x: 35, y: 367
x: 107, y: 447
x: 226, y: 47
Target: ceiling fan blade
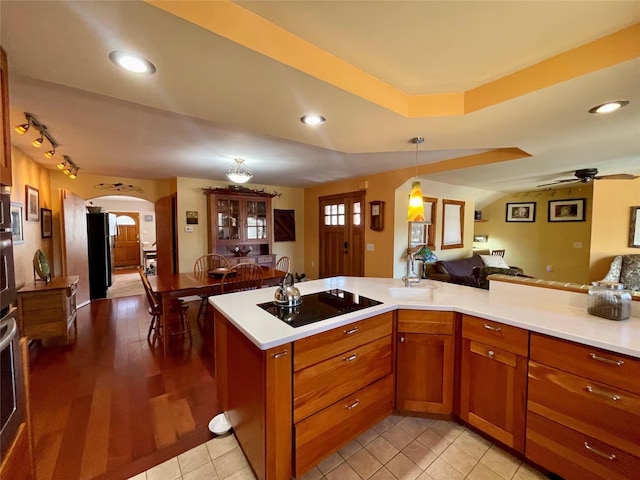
x: 617, y: 176
x: 567, y: 180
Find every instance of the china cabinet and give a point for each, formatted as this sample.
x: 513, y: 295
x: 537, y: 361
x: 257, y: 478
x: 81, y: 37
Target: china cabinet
x: 239, y: 226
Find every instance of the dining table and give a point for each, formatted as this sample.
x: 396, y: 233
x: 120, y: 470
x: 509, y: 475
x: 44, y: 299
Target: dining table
x: 171, y: 286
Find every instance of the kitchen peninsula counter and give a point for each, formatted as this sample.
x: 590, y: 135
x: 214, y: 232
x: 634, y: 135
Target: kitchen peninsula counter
x: 559, y: 314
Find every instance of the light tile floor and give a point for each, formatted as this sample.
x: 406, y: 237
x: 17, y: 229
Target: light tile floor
x: 397, y: 448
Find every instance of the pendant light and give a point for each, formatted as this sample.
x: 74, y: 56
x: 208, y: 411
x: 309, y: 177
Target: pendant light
x: 239, y: 173
x: 416, y: 204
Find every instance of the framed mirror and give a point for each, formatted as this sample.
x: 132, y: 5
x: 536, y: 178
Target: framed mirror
x: 452, y: 224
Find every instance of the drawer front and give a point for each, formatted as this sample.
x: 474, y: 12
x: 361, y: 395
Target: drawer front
x: 426, y: 321
x: 327, y: 431
x: 601, y: 365
x: 322, y: 346
x: 598, y: 410
x: 496, y: 334
x: 574, y: 455
x: 265, y: 260
x: 324, y: 383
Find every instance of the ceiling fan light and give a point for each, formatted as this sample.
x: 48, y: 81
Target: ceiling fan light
x: 239, y: 173
x: 609, y: 107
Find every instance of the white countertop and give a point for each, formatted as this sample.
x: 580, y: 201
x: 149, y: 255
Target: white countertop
x: 559, y: 314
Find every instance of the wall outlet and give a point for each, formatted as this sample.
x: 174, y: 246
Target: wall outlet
x: 577, y: 244
x: 188, y: 229
x: 370, y: 247
x: 548, y: 268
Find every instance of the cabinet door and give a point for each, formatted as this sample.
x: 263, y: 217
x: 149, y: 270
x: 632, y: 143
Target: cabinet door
x: 256, y: 223
x: 492, y: 392
x: 424, y: 373
x: 228, y: 220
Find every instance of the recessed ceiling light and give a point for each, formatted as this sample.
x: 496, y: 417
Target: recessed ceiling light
x: 313, y: 119
x: 609, y: 107
x: 132, y: 62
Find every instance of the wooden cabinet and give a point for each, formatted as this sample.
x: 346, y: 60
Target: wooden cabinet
x: 48, y: 310
x: 493, y: 379
x: 342, y: 386
x: 5, y: 134
x: 583, y: 413
x: 243, y: 221
x: 425, y: 361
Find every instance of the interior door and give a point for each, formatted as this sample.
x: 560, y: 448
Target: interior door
x: 166, y: 235
x: 75, y: 245
x: 342, y: 235
x: 127, y: 244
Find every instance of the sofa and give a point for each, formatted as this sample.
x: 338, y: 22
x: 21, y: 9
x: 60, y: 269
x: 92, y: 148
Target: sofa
x: 471, y: 271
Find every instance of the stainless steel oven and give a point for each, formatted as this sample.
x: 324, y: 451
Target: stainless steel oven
x: 11, y: 382
x: 7, y: 277
x: 5, y: 211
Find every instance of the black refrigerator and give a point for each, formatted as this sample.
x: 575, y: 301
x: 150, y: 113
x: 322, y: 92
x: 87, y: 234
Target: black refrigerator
x: 100, y: 242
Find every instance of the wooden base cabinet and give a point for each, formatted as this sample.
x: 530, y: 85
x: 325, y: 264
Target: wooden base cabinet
x: 493, y: 379
x: 583, y: 419
x: 425, y: 361
x: 48, y: 310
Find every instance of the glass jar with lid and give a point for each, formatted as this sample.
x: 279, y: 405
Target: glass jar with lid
x: 609, y: 300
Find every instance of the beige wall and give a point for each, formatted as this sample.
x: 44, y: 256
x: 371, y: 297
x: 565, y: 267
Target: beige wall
x: 194, y: 244
x: 613, y: 200
x: 565, y: 246
x: 27, y: 172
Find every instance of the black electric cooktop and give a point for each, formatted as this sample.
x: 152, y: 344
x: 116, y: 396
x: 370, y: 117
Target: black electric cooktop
x: 319, y: 306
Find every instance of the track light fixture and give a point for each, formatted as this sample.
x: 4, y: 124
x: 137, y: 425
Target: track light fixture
x: 68, y: 167
x: 44, y: 134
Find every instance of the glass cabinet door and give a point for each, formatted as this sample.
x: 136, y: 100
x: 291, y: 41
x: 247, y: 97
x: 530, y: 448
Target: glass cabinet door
x: 256, y: 220
x: 228, y: 219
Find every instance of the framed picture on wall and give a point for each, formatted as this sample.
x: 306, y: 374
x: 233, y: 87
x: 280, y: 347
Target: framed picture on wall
x: 571, y: 210
x: 521, y: 212
x: 46, y: 223
x: 32, y: 197
x: 17, y: 232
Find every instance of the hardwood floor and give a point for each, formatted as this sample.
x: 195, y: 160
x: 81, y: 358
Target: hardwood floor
x: 109, y: 406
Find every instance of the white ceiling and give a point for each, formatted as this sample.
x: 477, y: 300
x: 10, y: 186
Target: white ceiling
x: 213, y: 100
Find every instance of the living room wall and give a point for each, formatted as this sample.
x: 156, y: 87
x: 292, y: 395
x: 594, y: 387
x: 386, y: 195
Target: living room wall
x: 565, y: 246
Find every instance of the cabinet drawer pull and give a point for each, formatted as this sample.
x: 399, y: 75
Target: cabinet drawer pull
x: 490, y: 353
x: 598, y: 452
x: 279, y: 354
x: 606, y: 360
x: 492, y: 328
x: 353, y: 405
x: 352, y: 331
x: 350, y: 358
x: 602, y: 393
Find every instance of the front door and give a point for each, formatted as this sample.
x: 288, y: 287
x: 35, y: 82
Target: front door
x: 127, y: 242
x: 342, y: 235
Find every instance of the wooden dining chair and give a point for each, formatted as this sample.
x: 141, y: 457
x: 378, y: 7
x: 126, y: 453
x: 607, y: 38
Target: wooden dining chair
x: 201, y: 266
x: 243, y: 276
x: 283, y: 265
x: 498, y: 252
x: 157, y: 326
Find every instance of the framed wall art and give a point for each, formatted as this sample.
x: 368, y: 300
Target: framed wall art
x: 46, y: 223
x: 634, y: 228
x: 17, y: 232
x: 32, y: 198
x: 521, y: 212
x: 571, y: 210
x: 377, y: 215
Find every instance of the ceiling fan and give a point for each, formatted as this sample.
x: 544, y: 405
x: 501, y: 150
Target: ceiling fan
x: 586, y: 175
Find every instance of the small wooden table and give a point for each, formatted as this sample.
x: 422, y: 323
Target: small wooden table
x: 48, y: 309
x: 176, y: 285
